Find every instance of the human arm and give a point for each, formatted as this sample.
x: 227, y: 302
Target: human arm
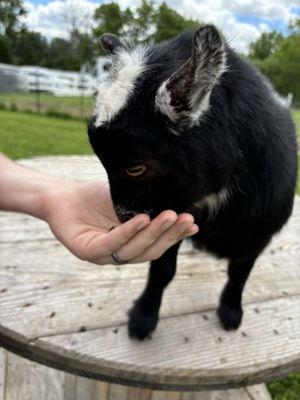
x: 81, y: 216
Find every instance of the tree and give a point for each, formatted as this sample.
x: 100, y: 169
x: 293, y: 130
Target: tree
x: 145, y: 24
x: 5, y: 50
x: 110, y: 18
x: 71, y: 54
x: 29, y: 48
x: 169, y: 23
x: 141, y: 25
x: 58, y: 56
x: 266, y: 44
x: 10, y: 13
x: 81, y: 50
x: 282, y: 65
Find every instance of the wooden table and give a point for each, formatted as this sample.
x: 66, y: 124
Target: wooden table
x: 71, y: 315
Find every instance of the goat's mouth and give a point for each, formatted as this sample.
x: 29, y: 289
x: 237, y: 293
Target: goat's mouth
x: 125, y: 215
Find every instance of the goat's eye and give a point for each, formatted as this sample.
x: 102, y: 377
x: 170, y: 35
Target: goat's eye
x: 136, y: 170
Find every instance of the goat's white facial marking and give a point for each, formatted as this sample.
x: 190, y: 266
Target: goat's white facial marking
x: 114, y: 93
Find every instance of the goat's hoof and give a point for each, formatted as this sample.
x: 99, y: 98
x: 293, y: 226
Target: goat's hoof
x: 140, y: 325
x: 230, y: 318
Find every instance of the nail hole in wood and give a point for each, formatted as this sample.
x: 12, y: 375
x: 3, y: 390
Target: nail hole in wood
x: 27, y: 305
x: 83, y: 329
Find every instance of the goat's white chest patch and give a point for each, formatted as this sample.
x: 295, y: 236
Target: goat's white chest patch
x: 114, y: 93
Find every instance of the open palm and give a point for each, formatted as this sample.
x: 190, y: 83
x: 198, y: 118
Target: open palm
x: 81, y: 216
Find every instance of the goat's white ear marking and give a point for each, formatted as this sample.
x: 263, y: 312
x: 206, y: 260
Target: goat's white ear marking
x: 114, y: 93
x: 185, y: 95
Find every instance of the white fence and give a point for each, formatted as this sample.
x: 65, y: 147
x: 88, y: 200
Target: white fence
x: 59, y: 83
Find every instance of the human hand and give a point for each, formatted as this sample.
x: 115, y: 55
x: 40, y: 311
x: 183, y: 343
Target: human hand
x: 81, y: 216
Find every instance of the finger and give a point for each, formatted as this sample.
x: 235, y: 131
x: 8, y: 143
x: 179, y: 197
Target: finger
x: 156, y: 250
x: 153, y: 233
x: 177, y: 233
x: 105, y: 244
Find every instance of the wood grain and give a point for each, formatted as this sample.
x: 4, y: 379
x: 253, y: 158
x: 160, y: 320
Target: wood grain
x: 71, y: 315
x: 3, y: 368
x: 26, y: 380
x: 26, y: 386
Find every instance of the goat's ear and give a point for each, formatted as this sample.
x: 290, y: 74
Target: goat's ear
x: 185, y: 95
x: 110, y: 43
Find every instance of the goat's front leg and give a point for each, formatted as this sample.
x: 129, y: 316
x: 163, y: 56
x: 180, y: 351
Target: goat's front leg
x: 230, y: 309
x: 143, y: 317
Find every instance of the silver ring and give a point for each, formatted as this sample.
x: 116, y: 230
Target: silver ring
x: 117, y: 259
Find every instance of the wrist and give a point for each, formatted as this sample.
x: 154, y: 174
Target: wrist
x: 23, y: 190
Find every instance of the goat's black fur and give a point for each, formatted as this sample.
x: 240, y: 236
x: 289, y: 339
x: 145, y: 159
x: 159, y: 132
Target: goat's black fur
x: 245, y: 142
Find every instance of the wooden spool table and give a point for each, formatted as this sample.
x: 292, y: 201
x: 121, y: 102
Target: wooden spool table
x: 71, y: 315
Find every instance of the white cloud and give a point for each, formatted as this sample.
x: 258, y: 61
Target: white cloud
x: 51, y: 19
x: 57, y: 17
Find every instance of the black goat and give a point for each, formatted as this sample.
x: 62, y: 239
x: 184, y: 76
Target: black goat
x: 188, y: 125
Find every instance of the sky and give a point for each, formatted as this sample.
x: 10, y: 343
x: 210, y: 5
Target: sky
x: 242, y: 21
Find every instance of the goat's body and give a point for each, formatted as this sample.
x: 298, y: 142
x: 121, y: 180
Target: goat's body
x: 261, y: 190
x: 234, y: 168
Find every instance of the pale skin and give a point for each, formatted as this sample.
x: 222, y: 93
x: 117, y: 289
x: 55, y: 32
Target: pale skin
x: 81, y: 216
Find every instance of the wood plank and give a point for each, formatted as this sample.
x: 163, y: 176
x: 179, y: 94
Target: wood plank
x: 87, y: 389
x: 190, y: 353
x: 258, y: 392
x: 230, y: 394
x: 158, y: 395
x: 117, y: 392
x: 139, y: 394
x: 3, y: 362
x: 28, y: 380
x: 69, y: 385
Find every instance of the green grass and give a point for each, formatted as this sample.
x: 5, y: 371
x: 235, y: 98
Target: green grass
x: 296, y: 116
x: 286, y: 389
x: 63, y: 105
x: 26, y: 135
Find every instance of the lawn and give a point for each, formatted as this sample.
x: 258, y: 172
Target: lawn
x: 27, y: 135
x: 296, y: 116
x: 75, y: 106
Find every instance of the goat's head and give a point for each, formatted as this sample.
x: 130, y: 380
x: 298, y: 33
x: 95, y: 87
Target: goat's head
x: 147, y: 124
